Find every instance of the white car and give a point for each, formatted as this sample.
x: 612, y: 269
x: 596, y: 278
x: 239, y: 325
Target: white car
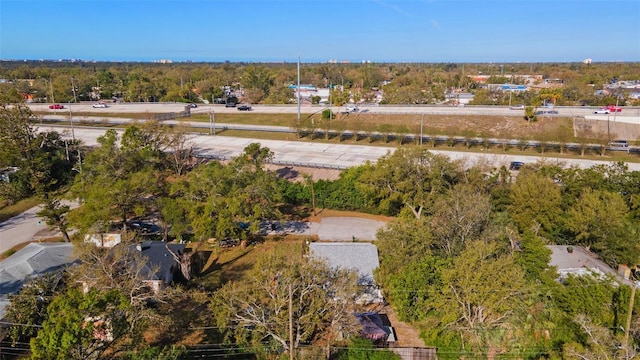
x: 601, y: 111
x: 351, y: 108
x: 100, y: 105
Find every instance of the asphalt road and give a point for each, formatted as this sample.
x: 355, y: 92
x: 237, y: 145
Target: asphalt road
x: 564, y: 111
x: 338, y: 156
x: 20, y: 229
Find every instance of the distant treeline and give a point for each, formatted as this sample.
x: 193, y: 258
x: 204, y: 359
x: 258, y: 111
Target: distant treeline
x: 268, y: 83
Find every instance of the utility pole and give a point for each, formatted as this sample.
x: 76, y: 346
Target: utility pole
x: 73, y: 134
x: 625, y: 342
x: 298, y: 88
x: 291, y: 355
x: 330, y: 116
x: 73, y: 88
x: 53, y: 100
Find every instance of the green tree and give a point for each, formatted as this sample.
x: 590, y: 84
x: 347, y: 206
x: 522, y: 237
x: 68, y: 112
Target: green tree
x: 218, y: 197
x: 81, y: 326
x: 408, y: 290
x: 116, y: 181
x: 535, y: 204
x: 401, y: 243
x: 363, y: 349
x: 28, y: 309
x: 55, y: 215
x: 533, y: 257
x: 409, y: 178
x: 477, y: 308
x: 599, y: 220
x: 43, y: 163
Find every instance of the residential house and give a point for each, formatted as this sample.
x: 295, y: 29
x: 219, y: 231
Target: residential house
x: 32, y: 260
x: 578, y: 261
x: 361, y: 257
x: 162, y: 267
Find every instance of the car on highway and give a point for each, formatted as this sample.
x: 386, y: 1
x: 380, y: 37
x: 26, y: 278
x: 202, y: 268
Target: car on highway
x: 619, y: 143
x: 517, y: 107
x: 56, y: 106
x: 351, y: 108
x: 192, y: 105
x: 516, y: 165
x: 613, y: 108
x: 602, y: 111
x: 230, y: 104
x: 244, y: 108
x: 100, y: 105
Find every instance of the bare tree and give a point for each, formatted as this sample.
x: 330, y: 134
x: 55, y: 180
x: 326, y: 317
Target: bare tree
x: 179, y: 147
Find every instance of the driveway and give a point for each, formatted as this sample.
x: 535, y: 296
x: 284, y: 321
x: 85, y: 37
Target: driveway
x: 328, y: 229
x: 348, y: 229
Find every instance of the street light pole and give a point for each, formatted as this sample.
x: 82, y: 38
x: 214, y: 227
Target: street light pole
x: 53, y: 100
x: 73, y: 134
x: 330, y: 115
x: 73, y: 88
x: 298, y: 88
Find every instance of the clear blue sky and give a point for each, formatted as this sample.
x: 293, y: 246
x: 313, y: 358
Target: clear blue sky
x: 320, y: 30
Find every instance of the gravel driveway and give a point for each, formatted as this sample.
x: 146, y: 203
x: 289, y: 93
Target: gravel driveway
x: 348, y: 229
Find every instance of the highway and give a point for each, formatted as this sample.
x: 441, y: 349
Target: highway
x: 563, y: 111
x: 322, y: 155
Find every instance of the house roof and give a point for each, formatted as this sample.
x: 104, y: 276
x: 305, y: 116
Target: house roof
x: 578, y: 262
x: 159, y: 258
x: 34, y: 259
x: 363, y: 257
x: 372, y: 326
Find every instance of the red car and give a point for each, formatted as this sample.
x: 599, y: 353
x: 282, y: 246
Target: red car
x: 56, y: 106
x: 613, y: 108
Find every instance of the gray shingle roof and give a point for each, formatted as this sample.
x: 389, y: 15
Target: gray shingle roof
x: 363, y: 257
x: 577, y: 262
x: 161, y: 264
x: 34, y: 259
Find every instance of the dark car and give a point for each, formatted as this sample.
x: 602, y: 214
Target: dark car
x: 56, y: 106
x: 244, y: 108
x: 230, y: 104
x: 516, y: 165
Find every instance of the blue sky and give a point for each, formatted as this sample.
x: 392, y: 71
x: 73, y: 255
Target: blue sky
x: 322, y: 30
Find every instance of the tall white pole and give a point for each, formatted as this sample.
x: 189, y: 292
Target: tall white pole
x: 73, y: 134
x: 298, y: 87
x: 73, y: 88
x: 53, y: 100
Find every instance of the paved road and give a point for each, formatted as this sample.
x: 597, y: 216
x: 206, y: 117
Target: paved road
x: 23, y: 228
x: 338, y: 156
x: 564, y: 111
x: 20, y: 229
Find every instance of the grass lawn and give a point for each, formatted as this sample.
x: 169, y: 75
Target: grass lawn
x: 18, y: 208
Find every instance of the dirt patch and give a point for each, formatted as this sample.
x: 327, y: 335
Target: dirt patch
x: 613, y: 129
x: 406, y: 335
